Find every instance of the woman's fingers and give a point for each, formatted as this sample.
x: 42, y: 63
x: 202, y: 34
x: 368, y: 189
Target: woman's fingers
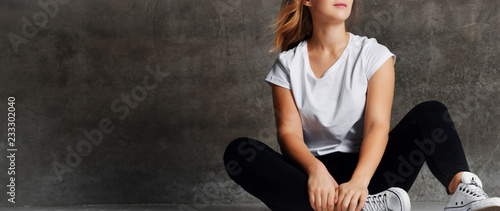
x: 346, y: 202
x: 318, y: 201
x: 362, y: 201
x: 322, y: 189
x: 354, y: 202
x: 331, y: 200
x: 322, y: 200
x: 327, y: 200
x: 340, y: 200
x: 336, y: 198
x: 312, y: 200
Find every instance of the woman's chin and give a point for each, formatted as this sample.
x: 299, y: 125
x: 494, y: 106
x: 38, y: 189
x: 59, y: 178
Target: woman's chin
x: 336, y: 17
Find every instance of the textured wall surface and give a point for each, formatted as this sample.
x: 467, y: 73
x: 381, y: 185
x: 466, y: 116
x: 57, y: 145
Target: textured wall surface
x: 133, y: 101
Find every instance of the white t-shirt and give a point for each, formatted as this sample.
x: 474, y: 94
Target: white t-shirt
x: 331, y: 107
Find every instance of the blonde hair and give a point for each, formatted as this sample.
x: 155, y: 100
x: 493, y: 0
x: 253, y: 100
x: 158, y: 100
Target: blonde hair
x: 294, y: 24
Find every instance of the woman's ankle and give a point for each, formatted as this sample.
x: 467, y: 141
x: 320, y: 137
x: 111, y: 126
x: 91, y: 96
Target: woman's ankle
x: 457, y: 179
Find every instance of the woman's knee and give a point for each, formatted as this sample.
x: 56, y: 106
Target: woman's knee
x: 243, y: 149
x: 432, y: 105
x: 432, y: 108
x: 241, y: 152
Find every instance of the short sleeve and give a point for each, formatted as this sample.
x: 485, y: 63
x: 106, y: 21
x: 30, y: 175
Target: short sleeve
x: 375, y: 55
x: 279, y: 74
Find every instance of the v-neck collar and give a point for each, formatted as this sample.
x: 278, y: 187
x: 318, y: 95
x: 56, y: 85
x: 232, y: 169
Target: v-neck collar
x: 341, y: 58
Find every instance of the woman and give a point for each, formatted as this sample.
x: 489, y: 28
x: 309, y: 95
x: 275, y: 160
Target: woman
x: 332, y: 93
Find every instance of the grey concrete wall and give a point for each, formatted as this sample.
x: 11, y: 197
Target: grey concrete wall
x: 133, y: 101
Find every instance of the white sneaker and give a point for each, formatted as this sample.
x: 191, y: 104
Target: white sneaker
x: 470, y: 196
x: 392, y: 199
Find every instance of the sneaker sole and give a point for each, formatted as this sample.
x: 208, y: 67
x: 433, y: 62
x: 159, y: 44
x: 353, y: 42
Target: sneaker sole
x: 496, y: 208
x: 468, y: 208
x: 403, y: 197
x: 490, y: 204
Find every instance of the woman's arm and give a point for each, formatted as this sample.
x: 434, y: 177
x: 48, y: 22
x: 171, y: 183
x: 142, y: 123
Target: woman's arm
x: 376, y: 134
x: 321, y: 185
x: 377, y: 122
x: 289, y: 128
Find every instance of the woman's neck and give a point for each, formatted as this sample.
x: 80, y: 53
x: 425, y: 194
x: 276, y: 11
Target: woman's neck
x: 330, y: 38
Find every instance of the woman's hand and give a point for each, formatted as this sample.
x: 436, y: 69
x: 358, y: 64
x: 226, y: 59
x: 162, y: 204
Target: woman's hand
x: 352, y: 196
x: 322, y: 189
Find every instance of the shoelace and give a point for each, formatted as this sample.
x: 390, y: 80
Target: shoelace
x: 376, y: 203
x: 474, y: 189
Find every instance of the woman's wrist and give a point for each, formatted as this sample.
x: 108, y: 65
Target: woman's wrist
x: 361, y: 179
x: 316, y: 167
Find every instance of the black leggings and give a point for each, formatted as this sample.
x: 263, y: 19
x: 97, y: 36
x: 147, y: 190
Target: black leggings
x: 425, y: 134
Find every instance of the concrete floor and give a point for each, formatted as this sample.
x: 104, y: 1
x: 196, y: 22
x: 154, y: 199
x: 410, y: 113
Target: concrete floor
x: 416, y: 206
